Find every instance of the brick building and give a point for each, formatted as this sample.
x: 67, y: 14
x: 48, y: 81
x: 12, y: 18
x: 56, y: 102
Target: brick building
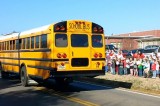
x: 134, y: 40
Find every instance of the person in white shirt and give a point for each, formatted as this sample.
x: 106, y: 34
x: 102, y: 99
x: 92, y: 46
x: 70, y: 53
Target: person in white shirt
x: 146, y: 67
x: 135, y: 67
x: 120, y: 55
x: 131, y: 66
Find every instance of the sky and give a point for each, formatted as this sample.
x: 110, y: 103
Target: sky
x: 115, y: 16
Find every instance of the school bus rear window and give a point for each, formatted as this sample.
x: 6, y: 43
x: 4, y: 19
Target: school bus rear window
x: 79, y: 40
x: 97, y: 41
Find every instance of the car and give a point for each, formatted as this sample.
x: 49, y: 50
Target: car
x: 125, y: 52
x: 148, y: 52
x: 134, y: 51
x: 151, y: 46
x: 111, y: 47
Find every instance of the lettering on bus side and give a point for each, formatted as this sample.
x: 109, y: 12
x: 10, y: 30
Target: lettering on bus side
x: 79, y: 26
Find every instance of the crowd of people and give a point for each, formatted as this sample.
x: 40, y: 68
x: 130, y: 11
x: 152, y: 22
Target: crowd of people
x: 135, y: 65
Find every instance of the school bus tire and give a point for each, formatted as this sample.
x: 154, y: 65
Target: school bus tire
x: 4, y: 74
x: 24, y: 76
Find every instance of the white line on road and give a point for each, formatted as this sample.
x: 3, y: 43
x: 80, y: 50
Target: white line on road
x: 124, y: 90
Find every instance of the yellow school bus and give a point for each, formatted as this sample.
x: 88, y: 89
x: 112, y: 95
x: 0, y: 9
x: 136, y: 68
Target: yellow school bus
x: 62, y: 51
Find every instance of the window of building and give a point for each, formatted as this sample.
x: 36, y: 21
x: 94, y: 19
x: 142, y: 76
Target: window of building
x: 37, y: 42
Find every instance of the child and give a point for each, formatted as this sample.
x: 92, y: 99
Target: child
x: 131, y: 66
x: 146, y: 67
x: 117, y: 66
x: 125, y: 66
x: 140, y: 67
x: 113, y: 67
x: 135, y: 72
x: 120, y: 67
x: 153, y: 68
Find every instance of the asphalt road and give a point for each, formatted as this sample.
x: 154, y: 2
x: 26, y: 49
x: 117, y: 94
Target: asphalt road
x: 77, y: 94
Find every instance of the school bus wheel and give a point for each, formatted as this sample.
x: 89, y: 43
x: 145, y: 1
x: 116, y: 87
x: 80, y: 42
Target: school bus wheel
x: 24, y: 77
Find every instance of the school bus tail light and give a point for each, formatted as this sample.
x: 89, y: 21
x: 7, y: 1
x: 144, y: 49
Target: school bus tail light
x: 64, y: 55
x: 60, y: 27
x: 59, y: 55
x: 96, y: 55
x: 100, y: 30
x: 95, y: 29
x: 57, y: 28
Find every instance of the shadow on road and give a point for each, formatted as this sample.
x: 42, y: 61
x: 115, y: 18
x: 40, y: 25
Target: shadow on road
x: 105, y: 82
x: 9, y: 82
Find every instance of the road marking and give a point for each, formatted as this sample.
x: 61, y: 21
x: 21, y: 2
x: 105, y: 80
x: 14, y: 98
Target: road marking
x: 137, y: 92
x: 77, y: 100
x: 120, y: 89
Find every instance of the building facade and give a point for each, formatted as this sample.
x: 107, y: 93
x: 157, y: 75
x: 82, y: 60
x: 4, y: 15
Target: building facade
x: 134, y: 40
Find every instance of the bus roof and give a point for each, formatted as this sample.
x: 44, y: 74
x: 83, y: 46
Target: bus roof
x: 42, y: 28
x: 8, y: 36
x: 11, y: 35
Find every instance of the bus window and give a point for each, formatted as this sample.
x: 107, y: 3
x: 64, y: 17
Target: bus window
x: 0, y: 45
x: 37, y: 42
x: 7, y: 44
x: 97, y: 41
x: 28, y: 43
x: 61, y: 40
x: 44, y: 41
x: 24, y: 44
x: 13, y: 45
x: 19, y: 44
x: 32, y: 42
x: 79, y: 40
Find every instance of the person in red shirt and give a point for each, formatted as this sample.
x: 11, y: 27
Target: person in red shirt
x: 153, y: 68
x: 140, y: 55
x: 124, y: 66
x: 135, y: 55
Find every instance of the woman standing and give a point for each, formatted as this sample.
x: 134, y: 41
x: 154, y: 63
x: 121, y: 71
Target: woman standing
x: 153, y: 68
x: 135, y: 72
x: 131, y: 66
